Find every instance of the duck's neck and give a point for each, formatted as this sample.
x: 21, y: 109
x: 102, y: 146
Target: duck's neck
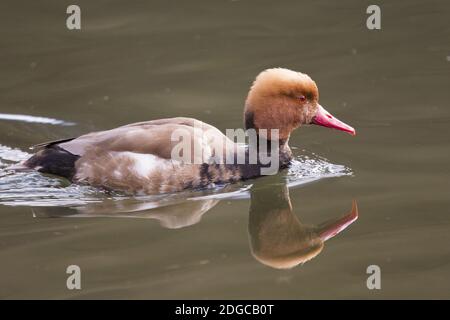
x: 269, y: 160
x: 264, y: 147
x: 280, y: 147
x: 269, y: 155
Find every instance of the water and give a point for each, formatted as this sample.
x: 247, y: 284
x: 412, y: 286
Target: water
x: 155, y: 59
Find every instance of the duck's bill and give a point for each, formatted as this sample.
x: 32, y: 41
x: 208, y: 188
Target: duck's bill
x: 331, y: 228
x: 325, y: 119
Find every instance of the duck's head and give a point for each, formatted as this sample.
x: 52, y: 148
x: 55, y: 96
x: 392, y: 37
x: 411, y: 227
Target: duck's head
x: 284, y: 99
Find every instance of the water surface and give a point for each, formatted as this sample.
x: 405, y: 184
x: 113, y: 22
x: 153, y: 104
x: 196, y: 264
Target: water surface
x: 140, y: 60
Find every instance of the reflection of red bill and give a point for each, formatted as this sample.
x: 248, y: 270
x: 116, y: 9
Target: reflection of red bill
x: 331, y: 228
x: 325, y: 119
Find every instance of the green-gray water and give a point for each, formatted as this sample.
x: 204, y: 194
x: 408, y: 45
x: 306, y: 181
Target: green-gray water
x: 141, y: 60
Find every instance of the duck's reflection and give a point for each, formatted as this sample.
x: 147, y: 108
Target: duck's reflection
x: 173, y: 214
x: 277, y: 237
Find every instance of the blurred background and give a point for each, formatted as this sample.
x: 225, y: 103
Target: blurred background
x: 141, y: 60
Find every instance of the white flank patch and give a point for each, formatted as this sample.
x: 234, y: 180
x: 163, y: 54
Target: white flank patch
x: 33, y: 119
x: 117, y: 174
x: 144, y: 164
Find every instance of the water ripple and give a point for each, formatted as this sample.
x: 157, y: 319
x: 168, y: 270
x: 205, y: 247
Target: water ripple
x: 31, y: 188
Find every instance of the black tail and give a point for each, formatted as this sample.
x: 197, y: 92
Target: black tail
x: 53, y: 160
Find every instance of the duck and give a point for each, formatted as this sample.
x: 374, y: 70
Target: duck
x: 138, y: 158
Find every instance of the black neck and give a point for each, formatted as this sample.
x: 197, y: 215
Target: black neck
x: 252, y: 170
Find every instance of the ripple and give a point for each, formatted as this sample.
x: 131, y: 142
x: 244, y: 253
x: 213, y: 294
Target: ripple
x: 31, y: 188
x: 309, y: 167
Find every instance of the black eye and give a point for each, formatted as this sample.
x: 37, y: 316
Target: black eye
x: 302, y: 98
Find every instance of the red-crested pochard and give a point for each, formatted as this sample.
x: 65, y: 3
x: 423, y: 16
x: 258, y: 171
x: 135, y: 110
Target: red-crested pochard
x: 137, y: 158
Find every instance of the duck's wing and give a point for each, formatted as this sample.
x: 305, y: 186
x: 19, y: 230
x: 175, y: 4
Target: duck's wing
x: 177, y: 120
x: 156, y: 137
x: 138, y: 158
x: 50, y: 143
